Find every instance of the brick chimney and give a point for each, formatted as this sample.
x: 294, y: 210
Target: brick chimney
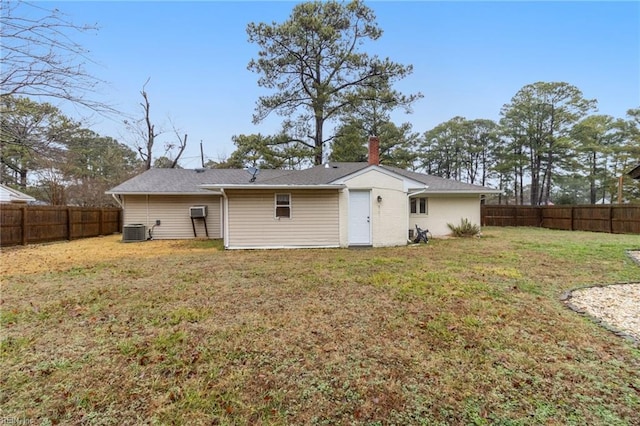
x: 374, y: 150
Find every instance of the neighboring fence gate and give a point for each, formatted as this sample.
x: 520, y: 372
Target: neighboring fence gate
x: 616, y: 219
x: 21, y: 225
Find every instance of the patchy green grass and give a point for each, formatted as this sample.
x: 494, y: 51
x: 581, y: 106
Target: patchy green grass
x: 459, y: 331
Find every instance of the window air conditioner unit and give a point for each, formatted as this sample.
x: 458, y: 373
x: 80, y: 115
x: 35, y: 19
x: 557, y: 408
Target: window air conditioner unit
x: 198, y: 211
x: 133, y: 232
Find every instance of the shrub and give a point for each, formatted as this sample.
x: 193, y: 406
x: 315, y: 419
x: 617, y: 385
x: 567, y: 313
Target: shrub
x: 465, y: 229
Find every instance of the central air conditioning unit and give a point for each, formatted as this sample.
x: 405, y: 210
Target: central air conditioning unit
x: 198, y: 212
x: 133, y: 232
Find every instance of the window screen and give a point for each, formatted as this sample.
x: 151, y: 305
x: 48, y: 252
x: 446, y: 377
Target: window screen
x: 283, y: 205
x: 418, y: 205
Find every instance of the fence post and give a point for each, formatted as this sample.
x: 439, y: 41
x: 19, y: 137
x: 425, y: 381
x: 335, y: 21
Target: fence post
x: 69, y: 223
x: 540, y: 217
x: 611, y: 219
x: 101, y: 225
x: 24, y: 226
x: 571, y: 218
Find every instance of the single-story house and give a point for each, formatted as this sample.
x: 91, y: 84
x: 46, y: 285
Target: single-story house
x: 635, y: 172
x: 10, y: 195
x: 332, y: 205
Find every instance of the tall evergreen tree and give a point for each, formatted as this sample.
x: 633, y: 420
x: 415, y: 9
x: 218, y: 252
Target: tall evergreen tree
x: 397, y: 143
x: 313, y: 63
x: 539, y: 119
x: 596, y: 139
x: 29, y: 134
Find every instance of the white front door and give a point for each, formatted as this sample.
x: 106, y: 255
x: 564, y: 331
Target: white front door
x: 359, y: 218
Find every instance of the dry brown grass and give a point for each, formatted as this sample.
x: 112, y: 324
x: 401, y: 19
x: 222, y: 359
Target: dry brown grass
x: 454, y: 332
x: 59, y: 256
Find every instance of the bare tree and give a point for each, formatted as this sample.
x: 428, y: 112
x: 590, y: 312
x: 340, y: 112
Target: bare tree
x: 146, y: 151
x: 40, y: 58
x: 182, y: 144
x: 165, y: 161
x: 144, y: 130
x: 146, y: 133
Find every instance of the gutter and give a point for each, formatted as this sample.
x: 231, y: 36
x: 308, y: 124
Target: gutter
x: 413, y: 194
x: 454, y: 192
x: 163, y: 193
x: 118, y: 200
x: 222, y: 187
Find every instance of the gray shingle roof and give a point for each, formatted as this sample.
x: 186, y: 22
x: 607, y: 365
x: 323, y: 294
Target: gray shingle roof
x: 318, y: 175
x: 177, y: 181
x: 438, y: 184
x: 8, y: 194
x: 187, y: 181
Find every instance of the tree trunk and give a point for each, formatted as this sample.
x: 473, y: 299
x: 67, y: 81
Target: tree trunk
x: 317, y: 160
x: 592, y: 180
x: 23, y: 177
x: 535, y: 181
x: 150, y: 140
x: 545, y: 193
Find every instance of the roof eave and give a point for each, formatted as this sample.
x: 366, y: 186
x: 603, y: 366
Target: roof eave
x: 272, y: 186
x: 463, y: 191
x: 160, y: 193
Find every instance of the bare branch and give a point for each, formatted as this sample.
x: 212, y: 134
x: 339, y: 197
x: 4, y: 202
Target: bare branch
x: 39, y: 57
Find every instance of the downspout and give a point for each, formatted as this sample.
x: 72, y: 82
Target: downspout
x: 225, y: 224
x: 409, y: 195
x: 147, y: 222
x: 407, y: 214
x: 119, y: 201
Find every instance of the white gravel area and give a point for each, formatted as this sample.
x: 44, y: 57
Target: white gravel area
x: 616, y: 305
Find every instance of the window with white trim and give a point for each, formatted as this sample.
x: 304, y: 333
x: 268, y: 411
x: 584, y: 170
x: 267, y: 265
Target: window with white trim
x: 283, y: 206
x: 418, y: 205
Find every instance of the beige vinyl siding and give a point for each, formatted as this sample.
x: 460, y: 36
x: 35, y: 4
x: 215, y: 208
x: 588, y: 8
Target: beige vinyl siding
x: 173, y: 213
x: 134, y: 209
x: 252, y: 223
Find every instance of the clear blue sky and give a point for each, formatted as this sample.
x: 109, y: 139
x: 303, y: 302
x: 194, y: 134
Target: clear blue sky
x: 469, y: 59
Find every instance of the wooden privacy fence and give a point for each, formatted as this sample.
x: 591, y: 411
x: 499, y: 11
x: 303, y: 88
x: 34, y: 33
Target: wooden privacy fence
x: 617, y: 219
x: 39, y: 224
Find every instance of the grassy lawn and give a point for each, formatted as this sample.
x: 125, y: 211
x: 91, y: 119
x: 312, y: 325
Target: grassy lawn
x: 460, y: 331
